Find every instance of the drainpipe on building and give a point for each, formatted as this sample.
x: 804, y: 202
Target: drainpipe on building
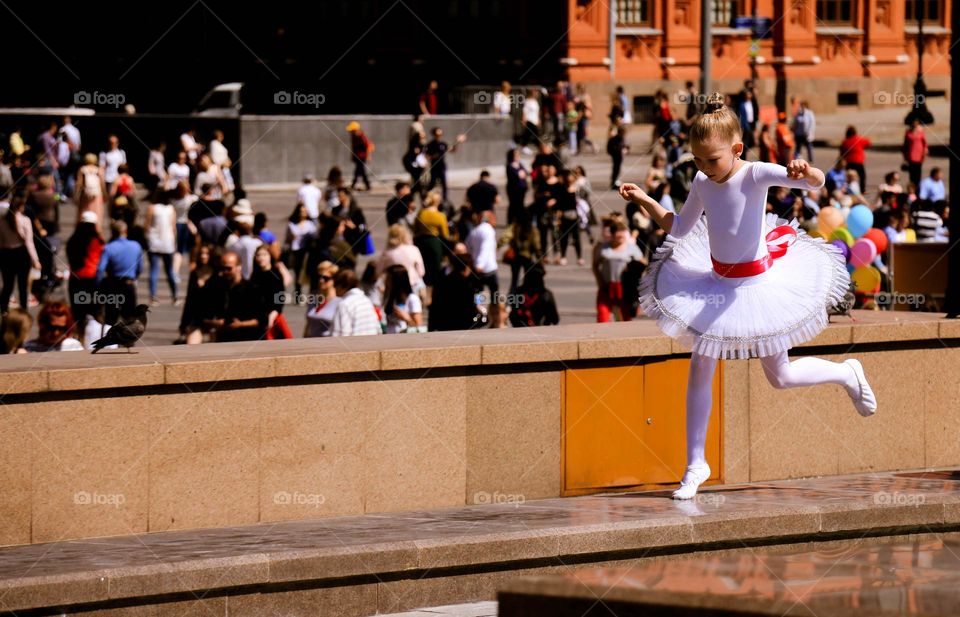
x: 706, y: 45
x: 953, y: 261
x: 612, y: 39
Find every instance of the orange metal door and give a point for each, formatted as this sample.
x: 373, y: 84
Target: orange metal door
x: 602, y: 446
x: 625, y: 426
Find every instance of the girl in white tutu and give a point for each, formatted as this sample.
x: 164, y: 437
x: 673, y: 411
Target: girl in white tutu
x: 741, y: 283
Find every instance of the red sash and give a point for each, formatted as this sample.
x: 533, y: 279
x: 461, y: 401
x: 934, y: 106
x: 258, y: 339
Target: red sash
x: 778, y: 240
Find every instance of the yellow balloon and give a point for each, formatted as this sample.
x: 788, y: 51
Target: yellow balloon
x: 829, y: 219
x: 867, y: 279
x: 842, y: 233
x: 813, y: 233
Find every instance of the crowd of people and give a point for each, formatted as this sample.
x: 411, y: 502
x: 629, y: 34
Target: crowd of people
x: 440, y: 267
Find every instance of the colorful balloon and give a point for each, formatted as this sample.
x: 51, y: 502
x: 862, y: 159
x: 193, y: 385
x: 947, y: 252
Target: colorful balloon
x: 829, y: 219
x: 867, y: 279
x: 863, y: 252
x: 859, y: 220
x: 842, y: 233
x: 844, y: 248
x: 879, y: 238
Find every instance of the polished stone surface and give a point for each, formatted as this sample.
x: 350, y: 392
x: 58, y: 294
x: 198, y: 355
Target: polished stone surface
x: 870, y: 577
x: 501, y: 536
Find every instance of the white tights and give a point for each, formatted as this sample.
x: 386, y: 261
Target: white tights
x: 780, y: 372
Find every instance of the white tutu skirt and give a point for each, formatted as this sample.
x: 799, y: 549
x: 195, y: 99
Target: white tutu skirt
x: 753, y: 316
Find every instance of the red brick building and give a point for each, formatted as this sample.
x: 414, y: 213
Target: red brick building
x: 831, y: 52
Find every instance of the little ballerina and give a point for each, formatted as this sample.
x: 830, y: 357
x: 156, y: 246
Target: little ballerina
x: 729, y: 287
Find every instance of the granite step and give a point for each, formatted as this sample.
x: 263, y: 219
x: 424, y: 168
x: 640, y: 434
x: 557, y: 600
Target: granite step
x: 364, y: 565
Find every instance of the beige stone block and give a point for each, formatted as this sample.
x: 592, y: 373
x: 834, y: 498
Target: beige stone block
x: 839, y: 332
x: 893, y: 438
x: 513, y: 435
x: 107, y: 377
x: 22, y: 382
x: 624, y: 347
x: 310, y: 452
x: 342, y: 561
x: 487, y: 549
x: 196, y: 575
x: 345, y: 601
x: 625, y: 535
x: 941, y: 393
x: 89, y: 468
x: 949, y: 328
x: 793, y: 432
x: 736, y: 422
x: 525, y: 352
x: 204, y: 450
x: 15, y: 474
x: 877, y: 512
x: 895, y: 331
x: 758, y: 524
x: 327, y: 363
x: 17, y: 594
x: 414, y: 444
x: 429, y: 357
x: 227, y: 369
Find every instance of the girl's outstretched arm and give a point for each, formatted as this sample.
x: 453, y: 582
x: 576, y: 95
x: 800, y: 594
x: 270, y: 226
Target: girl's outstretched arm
x: 799, y: 169
x: 677, y: 225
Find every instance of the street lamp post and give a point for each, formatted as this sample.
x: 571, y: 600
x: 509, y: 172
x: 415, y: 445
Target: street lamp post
x: 919, y: 110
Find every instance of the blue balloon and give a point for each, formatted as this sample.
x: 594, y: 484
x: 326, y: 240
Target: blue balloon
x: 859, y: 220
x: 851, y: 268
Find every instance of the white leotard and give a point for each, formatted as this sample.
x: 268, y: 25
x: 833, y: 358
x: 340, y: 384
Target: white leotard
x: 735, y: 210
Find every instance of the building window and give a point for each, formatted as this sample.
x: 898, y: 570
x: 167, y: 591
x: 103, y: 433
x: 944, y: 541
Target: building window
x: 836, y: 12
x: 633, y: 12
x: 932, y: 11
x: 725, y: 11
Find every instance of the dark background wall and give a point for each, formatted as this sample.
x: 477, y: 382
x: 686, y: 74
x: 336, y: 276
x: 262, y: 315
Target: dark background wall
x: 364, y: 56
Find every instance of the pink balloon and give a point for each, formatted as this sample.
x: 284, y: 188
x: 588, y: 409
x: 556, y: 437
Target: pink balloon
x: 863, y: 252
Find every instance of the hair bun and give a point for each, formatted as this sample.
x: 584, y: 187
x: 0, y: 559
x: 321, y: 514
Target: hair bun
x: 715, y: 102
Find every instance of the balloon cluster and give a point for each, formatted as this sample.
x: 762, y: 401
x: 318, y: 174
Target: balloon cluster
x: 858, y: 240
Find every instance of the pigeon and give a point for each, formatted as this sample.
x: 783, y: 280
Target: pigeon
x: 126, y: 332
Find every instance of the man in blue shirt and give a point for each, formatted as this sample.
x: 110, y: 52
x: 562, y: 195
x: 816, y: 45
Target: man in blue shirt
x: 932, y: 188
x: 117, y: 273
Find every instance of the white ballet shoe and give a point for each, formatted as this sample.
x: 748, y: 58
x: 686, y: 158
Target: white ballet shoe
x: 863, y: 397
x: 694, y: 476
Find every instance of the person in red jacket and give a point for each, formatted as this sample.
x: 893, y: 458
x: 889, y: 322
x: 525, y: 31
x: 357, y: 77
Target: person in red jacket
x: 361, y: 147
x: 915, y: 150
x: 852, y: 151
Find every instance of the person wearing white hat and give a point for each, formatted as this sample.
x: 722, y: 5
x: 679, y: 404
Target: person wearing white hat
x: 309, y: 194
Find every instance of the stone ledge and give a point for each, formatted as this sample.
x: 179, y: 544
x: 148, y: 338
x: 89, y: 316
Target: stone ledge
x: 404, y: 546
x: 231, y: 362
